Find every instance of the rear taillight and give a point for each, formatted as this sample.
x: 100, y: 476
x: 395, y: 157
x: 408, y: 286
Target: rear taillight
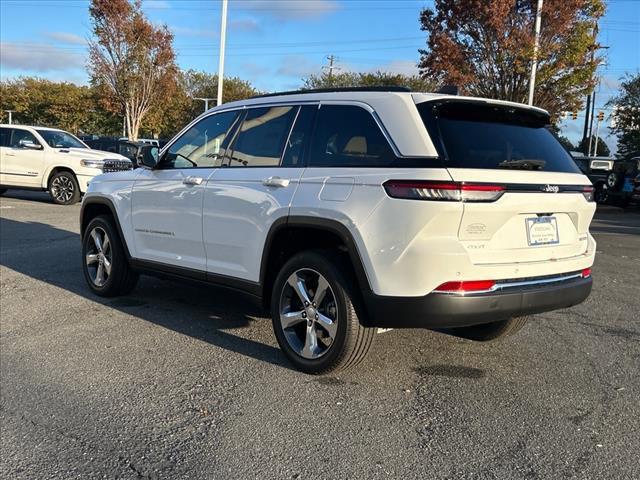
x: 588, y: 193
x: 443, y: 191
x: 466, y: 286
x: 586, y: 273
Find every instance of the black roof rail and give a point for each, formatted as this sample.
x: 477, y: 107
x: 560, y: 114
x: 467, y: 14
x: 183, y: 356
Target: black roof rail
x: 337, y: 89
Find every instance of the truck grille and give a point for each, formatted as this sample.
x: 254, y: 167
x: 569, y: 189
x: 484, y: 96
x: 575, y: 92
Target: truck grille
x: 116, y: 166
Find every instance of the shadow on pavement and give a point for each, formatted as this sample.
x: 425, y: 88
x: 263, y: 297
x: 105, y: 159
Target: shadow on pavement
x: 48, y: 254
x: 616, y: 220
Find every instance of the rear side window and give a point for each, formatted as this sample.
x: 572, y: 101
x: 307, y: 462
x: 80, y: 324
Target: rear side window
x: 348, y: 136
x: 474, y: 135
x: 299, y: 139
x: 262, y: 136
x: 5, y: 137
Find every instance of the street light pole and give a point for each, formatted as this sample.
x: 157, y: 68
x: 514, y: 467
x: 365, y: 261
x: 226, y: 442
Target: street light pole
x: 10, y: 117
x: 223, y: 34
x: 205, y: 100
x: 536, y: 45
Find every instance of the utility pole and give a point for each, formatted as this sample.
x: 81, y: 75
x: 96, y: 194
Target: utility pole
x: 588, y: 120
x: 536, y: 46
x: 593, y: 111
x: 205, y: 100
x: 331, y: 67
x: 10, y: 117
x: 223, y: 34
x: 595, y: 147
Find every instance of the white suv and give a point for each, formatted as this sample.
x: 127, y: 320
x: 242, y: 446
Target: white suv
x: 39, y: 158
x: 350, y: 211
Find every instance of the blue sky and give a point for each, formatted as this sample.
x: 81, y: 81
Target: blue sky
x: 273, y: 43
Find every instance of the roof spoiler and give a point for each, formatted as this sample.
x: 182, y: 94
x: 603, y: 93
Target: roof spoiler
x: 449, y: 90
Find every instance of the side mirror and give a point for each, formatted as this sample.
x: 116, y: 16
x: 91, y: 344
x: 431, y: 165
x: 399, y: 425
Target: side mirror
x: 29, y: 144
x: 148, y: 156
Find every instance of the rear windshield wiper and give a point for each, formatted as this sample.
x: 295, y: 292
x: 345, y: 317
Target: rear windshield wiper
x: 525, y: 164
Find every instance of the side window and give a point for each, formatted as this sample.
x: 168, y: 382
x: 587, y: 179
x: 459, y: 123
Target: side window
x: 5, y: 137
x: 348, y: 136
x: 19, y: 135
x: 200, y: 145
x: 294, y: 153
x: 261, y: 137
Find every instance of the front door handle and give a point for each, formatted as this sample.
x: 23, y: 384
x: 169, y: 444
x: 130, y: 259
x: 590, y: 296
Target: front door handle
x: 276, y: 182
x: 193, y: 180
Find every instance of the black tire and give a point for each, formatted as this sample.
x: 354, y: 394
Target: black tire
x: 601, y: 196
x: 351, y: 342
x: 121, y: 279
x: 64, y: 189
x: 490, y: 331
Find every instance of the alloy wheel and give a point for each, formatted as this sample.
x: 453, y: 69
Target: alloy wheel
x: 99, y: 256
x: 308, y: 313
x: 62, y: 188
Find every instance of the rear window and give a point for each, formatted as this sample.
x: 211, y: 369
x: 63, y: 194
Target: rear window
x: 478, y: 135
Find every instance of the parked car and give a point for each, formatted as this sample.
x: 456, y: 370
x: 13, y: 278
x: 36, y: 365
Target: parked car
x: 126, y: 148
x: 39, y: 158
x: 635, y: 197
x: 597, y: 169
x: 620, y: 185
x: 345, y: 211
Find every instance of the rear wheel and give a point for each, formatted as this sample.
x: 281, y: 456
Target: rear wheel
x: 313, y: 313
x: 105, y: 265
x: 491, y: 331
x: 64, y: 189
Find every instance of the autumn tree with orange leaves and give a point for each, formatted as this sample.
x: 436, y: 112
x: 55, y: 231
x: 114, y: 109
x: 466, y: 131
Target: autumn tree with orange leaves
x: 486, y: 48
x: 130, y: 60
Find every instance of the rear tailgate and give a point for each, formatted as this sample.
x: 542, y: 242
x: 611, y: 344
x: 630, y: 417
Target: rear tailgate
x: 546, y: 208
x: 528, y: 223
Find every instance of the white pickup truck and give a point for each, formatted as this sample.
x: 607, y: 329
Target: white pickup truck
x: 39, y: 158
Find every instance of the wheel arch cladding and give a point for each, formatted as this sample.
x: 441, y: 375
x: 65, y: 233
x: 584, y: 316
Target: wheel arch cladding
x: 292, y: 235
x: 93, y: 207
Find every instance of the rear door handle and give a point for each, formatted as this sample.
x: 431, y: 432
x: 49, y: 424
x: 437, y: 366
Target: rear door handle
x: 193, y: 180
x: 276, y: 182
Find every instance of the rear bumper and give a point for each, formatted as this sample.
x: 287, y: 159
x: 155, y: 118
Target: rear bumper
x: 442, y: 310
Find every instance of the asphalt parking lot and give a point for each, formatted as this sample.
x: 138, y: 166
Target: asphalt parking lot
x: 181, y: 381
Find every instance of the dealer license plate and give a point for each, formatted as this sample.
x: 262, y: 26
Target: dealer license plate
x: 542, y: 231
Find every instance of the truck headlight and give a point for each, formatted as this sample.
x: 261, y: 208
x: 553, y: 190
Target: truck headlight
x: 91, y: 163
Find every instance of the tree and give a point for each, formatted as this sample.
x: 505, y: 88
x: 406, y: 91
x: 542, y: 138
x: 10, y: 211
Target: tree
x: 626, y: 117
x: 601, y: 151
x: 486, y: 47
x: 56, y: 104
x: 566, y: 143
x: 130, y: 60
x: 367, y: 79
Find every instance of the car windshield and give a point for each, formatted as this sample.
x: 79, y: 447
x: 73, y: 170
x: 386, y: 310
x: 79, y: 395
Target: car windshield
x: 481, y: 135
x: 60, y: 139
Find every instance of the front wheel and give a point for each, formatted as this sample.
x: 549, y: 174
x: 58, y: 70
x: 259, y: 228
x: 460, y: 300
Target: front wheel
x: 487, y: 332
x: 104, y: 261
x: 313, y: 313
x: 64, y: 189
